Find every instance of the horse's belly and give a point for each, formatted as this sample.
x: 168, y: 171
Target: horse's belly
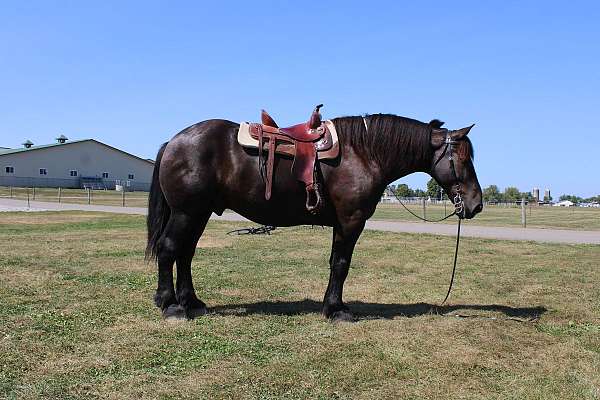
x: 281, y: 213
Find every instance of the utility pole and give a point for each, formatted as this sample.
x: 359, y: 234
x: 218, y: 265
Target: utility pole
x: 523, y: 213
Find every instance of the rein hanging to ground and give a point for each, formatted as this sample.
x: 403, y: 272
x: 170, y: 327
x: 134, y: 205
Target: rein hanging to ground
x: 458, y: 208
x: 261, y: 230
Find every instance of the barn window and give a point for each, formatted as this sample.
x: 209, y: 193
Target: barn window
x: 73, y: 172
x: 43, y: 171
x: 105, y: 174
x: 10, y: 170
x: 130, y: 176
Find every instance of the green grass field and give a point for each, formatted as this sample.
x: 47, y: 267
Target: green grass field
x: 537, y: 217
x: 77, y: 196
x: 77, y: 319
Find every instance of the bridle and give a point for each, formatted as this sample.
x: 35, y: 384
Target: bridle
x: 457, y: 200
x: 459, y: 205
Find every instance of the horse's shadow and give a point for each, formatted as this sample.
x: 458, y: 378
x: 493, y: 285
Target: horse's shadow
x: 364, y: 310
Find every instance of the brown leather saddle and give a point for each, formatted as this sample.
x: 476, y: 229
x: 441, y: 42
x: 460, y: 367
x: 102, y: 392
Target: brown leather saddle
x: 303, y: 142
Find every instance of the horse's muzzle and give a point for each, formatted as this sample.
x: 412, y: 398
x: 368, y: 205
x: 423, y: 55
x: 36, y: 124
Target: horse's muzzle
x: 468, y: 214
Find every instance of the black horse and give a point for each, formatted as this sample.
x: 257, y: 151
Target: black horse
x: 204, y: 169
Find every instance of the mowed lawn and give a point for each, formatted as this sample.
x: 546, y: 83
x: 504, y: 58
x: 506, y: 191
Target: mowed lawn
x: 578, y: 218
x: 77, y: 319
x: 77, y: 196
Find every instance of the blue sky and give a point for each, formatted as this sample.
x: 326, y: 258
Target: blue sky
x: 133, y: 74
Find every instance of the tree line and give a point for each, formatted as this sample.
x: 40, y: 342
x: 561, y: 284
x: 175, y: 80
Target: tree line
x: 490, y: 194
x: 433, y: 190
x: 511, y: 193
x: 577, y: 199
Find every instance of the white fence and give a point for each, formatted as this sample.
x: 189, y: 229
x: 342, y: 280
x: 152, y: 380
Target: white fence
x: 71, y: 183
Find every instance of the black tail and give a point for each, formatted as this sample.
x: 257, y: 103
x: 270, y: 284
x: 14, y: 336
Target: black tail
x: 158, y: 210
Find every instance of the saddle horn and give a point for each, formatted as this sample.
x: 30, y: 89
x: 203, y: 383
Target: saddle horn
x: 315, y: 118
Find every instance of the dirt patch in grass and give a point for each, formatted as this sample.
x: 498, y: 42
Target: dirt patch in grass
x: 214, y: 242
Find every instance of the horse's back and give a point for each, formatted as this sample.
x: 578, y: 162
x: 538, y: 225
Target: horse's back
x: 194, y: 160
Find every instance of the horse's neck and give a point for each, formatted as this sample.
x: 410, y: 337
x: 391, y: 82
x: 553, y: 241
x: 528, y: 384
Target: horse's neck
x: 406, y: 166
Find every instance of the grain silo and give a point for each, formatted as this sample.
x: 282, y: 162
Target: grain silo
x: 536, y: 194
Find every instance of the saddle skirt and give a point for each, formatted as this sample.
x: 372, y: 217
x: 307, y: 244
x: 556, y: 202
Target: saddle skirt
x: 327, y: 147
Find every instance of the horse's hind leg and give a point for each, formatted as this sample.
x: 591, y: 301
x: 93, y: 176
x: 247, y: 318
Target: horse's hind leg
x: 165, y: 257
x: 178, y: 244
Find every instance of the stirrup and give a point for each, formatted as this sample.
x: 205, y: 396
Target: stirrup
x: 314, y: 200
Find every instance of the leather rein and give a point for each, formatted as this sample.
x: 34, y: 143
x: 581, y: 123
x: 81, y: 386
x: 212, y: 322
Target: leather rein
x: 459, y: 206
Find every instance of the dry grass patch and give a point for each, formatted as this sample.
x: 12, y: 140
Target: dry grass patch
x: 77, y: 319
x: 47, y: 218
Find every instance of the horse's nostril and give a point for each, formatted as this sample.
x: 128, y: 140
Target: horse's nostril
x: 478, y: 208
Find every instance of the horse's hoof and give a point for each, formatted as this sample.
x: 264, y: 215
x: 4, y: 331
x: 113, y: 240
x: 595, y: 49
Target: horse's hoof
x: 194, y: 312
x: 174, y: 312
x: 342, y: 316
x: 164, y: 299
x: 177, y: 312
x: 195, y: 307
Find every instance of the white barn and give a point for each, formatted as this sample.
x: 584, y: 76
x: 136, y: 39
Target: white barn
x: 564, y: 203
x: 74, y: 164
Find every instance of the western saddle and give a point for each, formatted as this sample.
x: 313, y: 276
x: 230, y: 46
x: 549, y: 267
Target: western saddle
x: 305, y: 142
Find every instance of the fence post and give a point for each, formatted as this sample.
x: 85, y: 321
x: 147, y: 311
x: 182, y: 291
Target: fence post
x: 123, y: 197
x: 59, y: 193
x: 34, y: 193
x: 523, y: 213
x: 11, y: 194
x: 28, y: 205
x: 424, y: 210
x: 89, y: 195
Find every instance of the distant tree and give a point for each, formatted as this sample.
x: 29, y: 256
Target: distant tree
x: 570, y: 197
x: 420, y: 193
x: 511, y: 193
x: 491, y: 193
x: 547, y: 198
x: 403, y: 190
x: 593, y: 199
x: 433, y: 189
x: 527, y: 196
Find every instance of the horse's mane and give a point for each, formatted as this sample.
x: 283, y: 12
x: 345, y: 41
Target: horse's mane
x: 390, y: 139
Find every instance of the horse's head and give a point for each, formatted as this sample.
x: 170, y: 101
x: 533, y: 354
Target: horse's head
x: 452, y: 167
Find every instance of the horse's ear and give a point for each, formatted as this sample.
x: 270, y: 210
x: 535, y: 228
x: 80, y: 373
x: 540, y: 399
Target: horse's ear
x: 460, y: 133
x: 436, y: 123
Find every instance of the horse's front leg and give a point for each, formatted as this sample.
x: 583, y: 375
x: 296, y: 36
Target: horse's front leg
x: 344, y: 240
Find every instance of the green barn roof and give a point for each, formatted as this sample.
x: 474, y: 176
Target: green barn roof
x: 5, y: 151
x: 43, y: 146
